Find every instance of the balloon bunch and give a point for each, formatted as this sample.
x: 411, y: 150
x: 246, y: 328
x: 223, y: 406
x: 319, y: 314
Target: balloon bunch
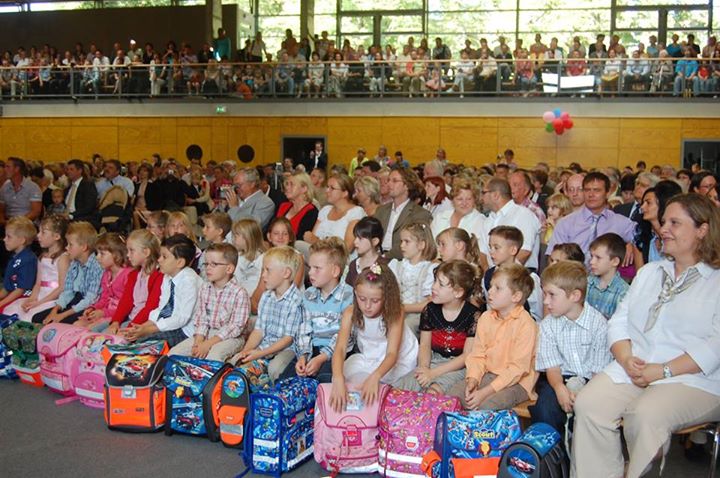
x: 557, y: 121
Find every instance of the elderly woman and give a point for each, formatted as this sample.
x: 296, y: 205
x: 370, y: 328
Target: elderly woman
x: 299, y: 208
x: 464, y: 213
x: 665, y: 337
x: 367, y: 194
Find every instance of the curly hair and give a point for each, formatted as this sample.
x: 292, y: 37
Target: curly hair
x: 380, y: 276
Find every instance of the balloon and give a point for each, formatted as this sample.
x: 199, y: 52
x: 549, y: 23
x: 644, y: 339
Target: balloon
x: 557, y: 123
x: 568, y: 123
x: 565, y: 116
x: 557, y: 112
x: 548, y: 116
x: 559, y: 130
x: 549, y: 127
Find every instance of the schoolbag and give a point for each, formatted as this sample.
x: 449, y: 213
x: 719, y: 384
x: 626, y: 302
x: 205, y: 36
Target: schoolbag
x: 6, y: 369
x: 234, y: 407
x: 151, y: 347
x: 56, y: 344
x: 347, y: 442
x: 193, y: 395
x: 134, y: 393
x: 280, y: 430
x: 21, y: 340
x: 538, y: 453
x: 469, y: 444
x: 89, y: 383
x: 407, y: 429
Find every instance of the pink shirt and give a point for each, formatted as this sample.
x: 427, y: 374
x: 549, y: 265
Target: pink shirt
x: 111, y: 289
x: 140, y: 294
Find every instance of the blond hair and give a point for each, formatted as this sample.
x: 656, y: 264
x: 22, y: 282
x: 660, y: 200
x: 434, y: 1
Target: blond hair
x: 333, y: 248
x: 147, y: 240
x: 286, y: 256
x: 303, y: 179
x: 84, y: 232
x: 562, y: 202
x: 567, y: 276
x: 221, y: 220
x: 181, y: 216
x: 518, y: 279
x: 423, y: 233
x: 23, y: 227
x: 472, y: 249
x: 250, y: 231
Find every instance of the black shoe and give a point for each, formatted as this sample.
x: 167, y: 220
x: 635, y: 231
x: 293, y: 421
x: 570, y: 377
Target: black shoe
x: 696, y: 453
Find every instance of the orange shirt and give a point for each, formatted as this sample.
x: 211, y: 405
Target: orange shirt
x: 505, y: 347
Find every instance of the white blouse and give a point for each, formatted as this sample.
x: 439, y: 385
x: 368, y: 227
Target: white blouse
x: 472, y: 222
x: 327, y: 228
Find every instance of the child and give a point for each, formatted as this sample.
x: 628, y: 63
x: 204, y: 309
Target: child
x: 447, y: 325
x: 387, y: 348
x: 157, y: 223
x: 53, y: 266
x: 368, y: 233
x: 82, y: 281
x: 21, y: 270
x: 567, y: 252
x: 558, y: 206
x: 221, y: 310
x: 248, y: 240
x: 500, y: 367
x: 605, y: 287
x: 415, y: 271
x: 172, y: 319
x: 323, y: 306
x: 216, y: 225
x: 179, y: 223
x: 504, y: 244
x: 279, y: 314
x: 455, y: 243
x: 58, y: 202
x: 572, y: 346
x: 111, y: 254
x: 280, y: 233
x: 142, y: 290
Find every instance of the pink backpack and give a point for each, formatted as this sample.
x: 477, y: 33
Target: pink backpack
x: 347, y: 442
x: 89, y: 382
x: 407, y: 430
x: 58, y: 365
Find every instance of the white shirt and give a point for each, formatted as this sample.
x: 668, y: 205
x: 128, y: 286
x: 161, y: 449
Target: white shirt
x: 394, y: 215
x: 435, y: 209
x: 521, y: 217
x: 471, y: 222
x: 70, y: 199
x: 187, y: 284
x: 327, y: 228
x: 248, y: 272
x: 102, y: 185
x: 689, y: 323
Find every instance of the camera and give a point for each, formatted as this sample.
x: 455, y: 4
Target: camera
x: 223, y: 191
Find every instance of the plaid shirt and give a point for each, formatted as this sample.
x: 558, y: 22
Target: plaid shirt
x: 279, y: 317
x: 321, y: 320
x: 578, y: 347
x: 82, y: 278
x: 225, y: 309
x: 606, y: 300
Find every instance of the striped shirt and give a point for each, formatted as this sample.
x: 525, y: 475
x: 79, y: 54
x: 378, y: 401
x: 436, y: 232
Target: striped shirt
x: 606, y: 300
x: 321, y: 320
x: 578, y: 347
x: 225, y: 309
x: 279, y: 317
x: 82, y: 278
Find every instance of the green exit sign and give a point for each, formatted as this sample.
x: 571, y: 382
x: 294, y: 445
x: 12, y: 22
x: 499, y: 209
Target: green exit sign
x: 220, y: 109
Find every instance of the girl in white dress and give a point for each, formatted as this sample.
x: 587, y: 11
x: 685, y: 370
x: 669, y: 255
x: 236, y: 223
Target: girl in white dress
x: 387, y: 348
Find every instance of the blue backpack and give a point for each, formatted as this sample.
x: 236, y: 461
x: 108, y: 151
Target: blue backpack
x: 538, y: 453
x: 193, y: 395
x: 6, y: 369
x: 280, y: 428
x: 470, y: 444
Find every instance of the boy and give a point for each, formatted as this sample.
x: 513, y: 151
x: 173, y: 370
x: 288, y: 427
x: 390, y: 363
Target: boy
x: 572, y: 345
x: 500, y: 372
x: 279, y: 314
x: 323, y: 306
x: 21, y: 271
x: 503, y: 246
x: 221, y: 310
x: 82, y: 280
x: 216, y: 226
x: 605, y: 287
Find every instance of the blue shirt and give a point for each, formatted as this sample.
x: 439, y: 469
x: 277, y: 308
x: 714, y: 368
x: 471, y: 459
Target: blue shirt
x: 279, y: 317
x: 84, y: 279
x: 21, y: 272
x: 321, y: 319
x: 104, y: 184
x: 686, y: 67
x: 653, y: 253
x: 606, y: 300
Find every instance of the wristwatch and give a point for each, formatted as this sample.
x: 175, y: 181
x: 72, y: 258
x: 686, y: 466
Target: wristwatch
x: 667, y: 373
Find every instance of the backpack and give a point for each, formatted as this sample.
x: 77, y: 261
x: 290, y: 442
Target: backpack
x: 234, y: 405
x: 56, y: 345
x: 152, y: 347
x: 280, y: 428
x: 469, y: 444
x: 538, y: 453
x: 347, y: 442
x: 89, y: 383
x: 134, y: 393
x: 193, y: 395
x: 20, y: 338
x: 6, y: 369
x: 407, y: 429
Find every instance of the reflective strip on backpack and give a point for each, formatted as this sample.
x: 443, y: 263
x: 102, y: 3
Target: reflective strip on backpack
x: 81, y: 392
x: 415, y: 460
x: 399, y: 474
x: 266, y: 443
x: 300, y: 457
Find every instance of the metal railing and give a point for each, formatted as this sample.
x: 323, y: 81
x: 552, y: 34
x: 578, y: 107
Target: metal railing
x: 582, y: 77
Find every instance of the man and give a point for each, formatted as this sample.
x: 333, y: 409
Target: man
x: 81, y: 197
x: 574, y: 190
x: 222, y: 45
x: 592, y: 220
x: 509, y: 158
x: 357, y: 161
x: 19, y: 196
x: 111, y: 177
x: 271, y: 185
x: 433, y: 169
x: 403, y: 183
x: 541, y: 189
x: 521, y: 188
x: 643, y: 182
x: 255, y: 204
x: 318, y: 158
x: 497, y: 197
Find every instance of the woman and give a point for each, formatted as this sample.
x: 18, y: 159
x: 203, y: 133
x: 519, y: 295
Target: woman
x: 140, y: 206
x: 464, y: 213
x: 648, y: 246
x: 702, y: 182
x: 367, y: 194
x: 663, y: 334
x: 299, y: 208
x: 436, y: 198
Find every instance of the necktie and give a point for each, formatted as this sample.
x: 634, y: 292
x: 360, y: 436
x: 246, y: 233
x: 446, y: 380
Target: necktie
x: 70, y: 200
x: 670, y: 288
x: 167, y: 310
x: 595, y: 220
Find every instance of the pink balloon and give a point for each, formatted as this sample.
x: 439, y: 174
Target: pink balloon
x: 548, y: 116
x: 565, y: 116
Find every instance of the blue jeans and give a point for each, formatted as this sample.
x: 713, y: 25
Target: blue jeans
x: 547, y: 409
x: 681, y: 84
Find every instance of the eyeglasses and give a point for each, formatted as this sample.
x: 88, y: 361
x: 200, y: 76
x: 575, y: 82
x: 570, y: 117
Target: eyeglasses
x: 487, y: 191
x: 215, y: 264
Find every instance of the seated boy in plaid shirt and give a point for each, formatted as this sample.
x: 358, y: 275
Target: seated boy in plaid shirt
x: 605, y: 287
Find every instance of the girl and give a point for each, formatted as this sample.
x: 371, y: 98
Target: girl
x: 53, y: 266
x: 455, y: 243
x: 447, y: 325
x: 368, y: 233
x: 111, y: 253
x: 179, y: 223
x: 142, y: 289
x: 559, y: 206
x: 387, y: 348
x: 566, y: 252
x: 415, y: 272
x: 280, y: 233
x: 247, y: 239
x: 157, y: 223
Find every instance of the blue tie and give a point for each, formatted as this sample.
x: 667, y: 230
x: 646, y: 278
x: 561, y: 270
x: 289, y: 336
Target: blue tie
x: 595, y: 220
x: 167, y: 310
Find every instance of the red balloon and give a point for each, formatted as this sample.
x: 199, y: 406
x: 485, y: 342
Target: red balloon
x: 565, y: 116
x: 559, y: 129
x: 568, y: 124
x: 557, y: 122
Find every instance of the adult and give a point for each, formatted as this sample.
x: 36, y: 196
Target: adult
x: 318, y: 178
x: 338, y: 218
x: 382, y: 157
x: 643, y: 182
x: 358, y: 161
x: 318, y: 159
x: 19, y: 195
x: 255, y: 205
x: 594, y: 219
x: 111, y: 177
x: 654, y: 201
x: 144, y: 178
x: 702, y: 182
x: 464, y: 213
x: 167, y: 192
x: 573, y: 189
x: 299, y: 208
x: 497, y: 197
x: 401, y: 211
x: 521, y: 188
x: 367, y: 194
x: 664, y: 338
x: 81, y: 197
x: 437, y: 200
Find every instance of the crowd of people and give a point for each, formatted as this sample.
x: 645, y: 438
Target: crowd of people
x: 314, y: 67
x: 584, y: 291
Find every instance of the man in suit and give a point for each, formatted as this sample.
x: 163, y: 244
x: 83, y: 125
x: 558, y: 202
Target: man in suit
x: 318, y: 158
x: 404, y: 188
x: 643, y: 182
x: 81, y: 197
x: 255, y: 204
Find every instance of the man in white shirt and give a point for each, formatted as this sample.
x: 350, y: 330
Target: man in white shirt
x: 112, y: 178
